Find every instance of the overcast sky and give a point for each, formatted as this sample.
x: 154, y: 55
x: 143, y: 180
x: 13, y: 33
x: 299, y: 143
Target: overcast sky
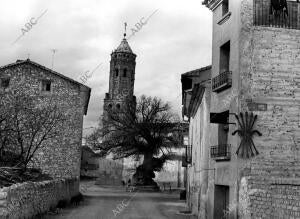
x: 176, y: 39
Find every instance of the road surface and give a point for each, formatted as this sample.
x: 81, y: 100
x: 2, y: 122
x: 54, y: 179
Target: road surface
x: 116, y: 203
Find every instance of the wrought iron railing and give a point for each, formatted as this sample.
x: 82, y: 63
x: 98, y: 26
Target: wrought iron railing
x: 222, y: 81
x: 264, y: 15
x: 220, y: 152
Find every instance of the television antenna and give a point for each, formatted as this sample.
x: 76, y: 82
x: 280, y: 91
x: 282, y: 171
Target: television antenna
x: 53, y: 51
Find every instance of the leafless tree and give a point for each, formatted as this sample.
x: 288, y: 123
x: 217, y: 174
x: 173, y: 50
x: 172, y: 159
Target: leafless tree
x: 94, y: 139
x: 27, y: 126
x: 148, y: 129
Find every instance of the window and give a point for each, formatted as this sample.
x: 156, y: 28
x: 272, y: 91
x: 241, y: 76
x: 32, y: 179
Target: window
x: 5, y: 82
x: 225, y: 57
x: 109, y: 106
x: 223, y: 133
x: 117, y: 72
x: 224, y: 7
x: 220, y: 118
x: 118, y: 106
x: 125, y: 72
x: 46, y: 85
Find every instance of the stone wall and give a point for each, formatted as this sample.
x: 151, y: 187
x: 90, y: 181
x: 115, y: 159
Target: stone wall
x: 60, y: 156
x: 89, y: 163
x: 270, y: 74
x: 25, y: 200
x: 110, y: 172
x: 269, y: 198
x: 171, y: 174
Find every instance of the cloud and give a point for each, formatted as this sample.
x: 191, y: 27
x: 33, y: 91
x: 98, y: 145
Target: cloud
x: 176, y: 39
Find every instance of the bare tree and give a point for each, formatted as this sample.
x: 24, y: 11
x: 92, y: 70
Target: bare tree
x: 4, y: 130
x: 146, y: 130
x: 94, y: 139
x: 28, y: 125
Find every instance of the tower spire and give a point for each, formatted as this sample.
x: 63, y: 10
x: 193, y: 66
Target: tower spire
x: 125, y: 26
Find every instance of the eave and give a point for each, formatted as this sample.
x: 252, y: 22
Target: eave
x: 212, y: 4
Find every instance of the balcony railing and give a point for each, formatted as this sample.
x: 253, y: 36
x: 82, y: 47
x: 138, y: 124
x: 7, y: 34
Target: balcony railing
x: 222, y: 81
x: 264, y: 15
x: 220, y: 152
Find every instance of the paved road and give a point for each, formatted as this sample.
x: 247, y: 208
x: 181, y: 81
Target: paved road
x: 116, y: 203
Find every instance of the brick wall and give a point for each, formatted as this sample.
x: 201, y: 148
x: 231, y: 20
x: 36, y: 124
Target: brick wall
x: 270, y: 74
x: 269, y: 198
x: 26, y: 200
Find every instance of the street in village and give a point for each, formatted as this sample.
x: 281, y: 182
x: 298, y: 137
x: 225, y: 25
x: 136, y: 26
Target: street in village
x: 108, y: 202
x: 150, y: 109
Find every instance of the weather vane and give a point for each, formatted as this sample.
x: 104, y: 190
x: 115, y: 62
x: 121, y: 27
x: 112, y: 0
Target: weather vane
x: 125, y: 25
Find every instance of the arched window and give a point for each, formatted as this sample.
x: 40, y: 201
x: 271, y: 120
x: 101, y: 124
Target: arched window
x: 125, y: 72
x: 117, y: 72
x: 118, y: 106
x: 110, y: 106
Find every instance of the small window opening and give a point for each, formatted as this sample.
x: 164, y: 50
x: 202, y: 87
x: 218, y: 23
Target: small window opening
x: 5, y: 82
x: 225, y: 7
x: 225, y: 57
x: 46, y: 85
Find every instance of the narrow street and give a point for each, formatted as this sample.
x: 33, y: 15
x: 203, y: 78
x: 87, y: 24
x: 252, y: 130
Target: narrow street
x: 114, y: 202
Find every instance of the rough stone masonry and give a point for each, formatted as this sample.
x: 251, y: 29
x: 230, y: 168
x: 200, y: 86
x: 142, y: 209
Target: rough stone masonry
x: 60, y: 157
x: 270, y: 74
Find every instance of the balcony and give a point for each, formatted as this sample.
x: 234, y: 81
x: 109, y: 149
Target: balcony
x: 265, y: 15
x: 220, y: 152
x: 222, y: 81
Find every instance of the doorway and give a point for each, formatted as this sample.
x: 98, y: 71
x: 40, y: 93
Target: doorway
x: 221, y: 203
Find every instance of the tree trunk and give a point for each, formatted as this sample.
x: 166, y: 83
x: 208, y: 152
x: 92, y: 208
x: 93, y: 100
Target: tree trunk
x: 147, y: 163
x: 144, y: 173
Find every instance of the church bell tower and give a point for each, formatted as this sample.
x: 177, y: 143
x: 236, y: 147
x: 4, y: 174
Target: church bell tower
x: 121, y: 78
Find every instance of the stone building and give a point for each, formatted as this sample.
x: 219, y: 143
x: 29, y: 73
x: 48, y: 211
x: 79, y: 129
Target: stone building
x: 59, y: 158
x: 196, y: 92
x: 89, y: 163
x: 121, y: 79
x: 255, y: 69
x: 172, y: 176
x: 105, y: 171
x: 110, y: 171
